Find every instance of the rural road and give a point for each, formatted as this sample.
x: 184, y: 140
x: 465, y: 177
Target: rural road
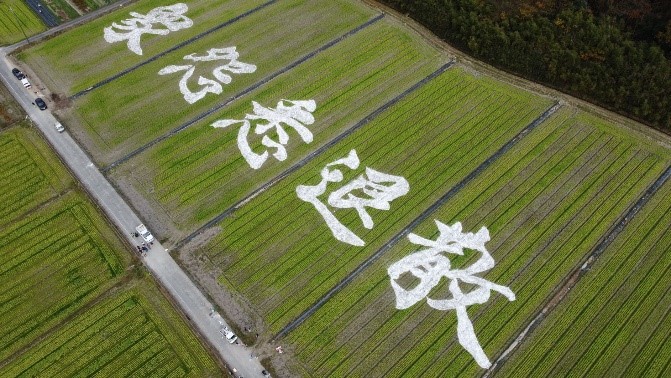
x: 185, y: 293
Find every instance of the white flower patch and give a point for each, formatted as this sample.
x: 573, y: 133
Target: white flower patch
x: 171, y: 16
x: 220, y: 77
x: 296, y: 116
x: 379, y: 189
x: 430, y: 265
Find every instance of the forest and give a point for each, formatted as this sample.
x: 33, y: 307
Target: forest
x: 614, y: 53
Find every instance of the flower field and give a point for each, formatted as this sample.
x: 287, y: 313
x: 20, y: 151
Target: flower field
x: 302, y: 154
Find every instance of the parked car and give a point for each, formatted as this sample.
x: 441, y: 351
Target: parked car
x: 26, y: 83
x: 59, y: 127
x: 146, y: 235
x: 265, y: 373
x: 40, y: 103
x: 18, y: 74
x: 228, y: 335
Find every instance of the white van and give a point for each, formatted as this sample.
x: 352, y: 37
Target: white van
x: 25, y: 83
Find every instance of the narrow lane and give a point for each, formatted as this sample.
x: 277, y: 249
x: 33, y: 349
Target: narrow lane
x: 159, y: 262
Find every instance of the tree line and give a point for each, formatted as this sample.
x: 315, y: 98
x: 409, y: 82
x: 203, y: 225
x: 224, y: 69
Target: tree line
x: 614, y: 53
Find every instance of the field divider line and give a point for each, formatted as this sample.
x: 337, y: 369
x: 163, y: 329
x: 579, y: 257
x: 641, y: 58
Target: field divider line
x: 579, y: 272
x: 316, y: 153
x: 174, y: 48
x: 423, y: 216
x: 242, y: 93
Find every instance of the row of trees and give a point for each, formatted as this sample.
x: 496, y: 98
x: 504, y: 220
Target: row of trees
x: 585, y: 48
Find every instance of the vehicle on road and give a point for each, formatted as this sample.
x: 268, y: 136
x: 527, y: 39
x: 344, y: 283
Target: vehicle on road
x: 265, y: 373
x: 18, y: 74
x: 229, y: 335
x: 40, y: 103
x: 59, y: 127
x: 26, y: 83
x: 146, y: 235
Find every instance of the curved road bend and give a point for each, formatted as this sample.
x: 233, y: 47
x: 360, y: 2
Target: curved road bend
x: 192, y: 302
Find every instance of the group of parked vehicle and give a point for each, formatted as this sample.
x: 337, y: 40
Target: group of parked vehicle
x: 41, y: 104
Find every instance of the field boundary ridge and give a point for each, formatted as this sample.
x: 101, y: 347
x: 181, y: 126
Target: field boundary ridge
x: 579, y: 272
x: 422, y: 217
x: 245, y: 91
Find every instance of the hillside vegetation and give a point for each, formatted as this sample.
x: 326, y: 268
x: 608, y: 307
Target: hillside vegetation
x: 613, y: 53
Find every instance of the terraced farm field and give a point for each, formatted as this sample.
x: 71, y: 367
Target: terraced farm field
x: 58, y: 261
x: 345, y: 142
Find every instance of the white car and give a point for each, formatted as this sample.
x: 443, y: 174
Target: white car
x: 146, y: 235
x: 59, y: 127
x: 25, y: 83
x: 228, y: 335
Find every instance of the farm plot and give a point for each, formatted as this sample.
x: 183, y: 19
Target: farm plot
x: 52, y: 263
x: 546, y: 203
x: 126, y: 335
x: 198, y: 173
x: 617, y: 320
x: 17, y: 22
x: 29, y: 173
x: 143, y: 105
x: 432, y: 139
x: 81, y: 57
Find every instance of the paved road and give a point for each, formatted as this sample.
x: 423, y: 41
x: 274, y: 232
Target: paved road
x: 160, y: 263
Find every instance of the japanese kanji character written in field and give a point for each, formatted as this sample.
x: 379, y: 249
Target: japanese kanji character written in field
x: 430, y: 265
x: 220, y: 76
x: 373, y: 189
x: 171, y: 16
x: 295, y: 114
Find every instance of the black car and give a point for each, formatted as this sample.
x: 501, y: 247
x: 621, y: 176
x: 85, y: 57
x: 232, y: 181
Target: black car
x: 18, y: 74
x: 40, y: 103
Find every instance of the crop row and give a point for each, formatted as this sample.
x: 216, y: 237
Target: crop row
x: 80, y: 57
x: 29, y: 174
x: 123, y: 335
x: 153, y: 103
x: 544, y: 208
x: 17, y: 22
x: 53, y: 262
x: 200, y: 172
x: 286, y: 268
x: 615, y: 310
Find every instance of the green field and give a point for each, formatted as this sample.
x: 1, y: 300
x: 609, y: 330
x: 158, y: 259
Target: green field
x: 58, y: 260
x: 473, y: 148
x: 544, y: 209
x: 26, y: 161
x: 616, y: 321
x: 155, y: 102
x: 190, y: 189
x: 294, y: 259
x: 17, y: 22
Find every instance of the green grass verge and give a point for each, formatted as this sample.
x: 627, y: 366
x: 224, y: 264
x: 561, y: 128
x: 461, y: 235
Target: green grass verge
x: 17, y: 22
x: 29, y: 173
x: 133, y: 110
x: 616, y: 321
x: 546, y: 203
x: 198, y: 173
x: 132, y: 333
x: 433, y: 138
x: 51, y: 264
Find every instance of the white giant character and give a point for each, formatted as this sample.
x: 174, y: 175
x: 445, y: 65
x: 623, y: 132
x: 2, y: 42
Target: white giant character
x: 209, y: 85
x: 171, y: 16
x: 430, y: 265
x: 295, y: 114
x: 373, y: 189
